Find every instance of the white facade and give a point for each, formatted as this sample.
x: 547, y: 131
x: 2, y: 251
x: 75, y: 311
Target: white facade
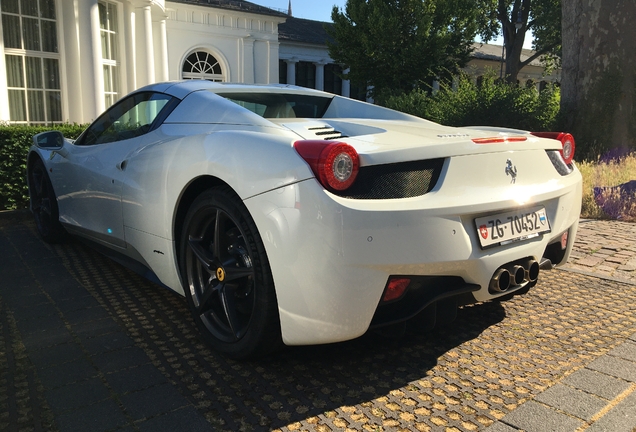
x: 68, y: 60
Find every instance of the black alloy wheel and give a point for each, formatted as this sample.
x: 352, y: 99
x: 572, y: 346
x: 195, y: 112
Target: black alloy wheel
x: 227, y: 278
x: 44, y: 204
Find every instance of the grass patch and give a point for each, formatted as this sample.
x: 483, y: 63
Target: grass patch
x: 608, y: 175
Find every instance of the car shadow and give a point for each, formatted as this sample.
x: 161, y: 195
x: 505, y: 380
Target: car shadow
x: 294, y: 385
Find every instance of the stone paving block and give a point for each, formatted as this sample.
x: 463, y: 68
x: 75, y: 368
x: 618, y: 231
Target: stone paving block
x: 76, y: 303
x: 96, y: 328
x: 29, y: 307
x: 81, y: 317
x: 534, y: 417
x: 38, y: 322
x: 103, y: 416
x: 107, y: 342
x: 55, y: 355
x: 616, y: 367
x: 185, y: 419
x: 572, y: 401
x: 596, y: 383
x: 120, y: 359
x: 46, y: 337
x: 24, y: 296
x: 135, y: 379
x: 500, y: 427
x: 67, y: 373
x: 626, y: 350
x: 77, y: 395
x: 61, y: 290
x: 633, y: 337
x: 621, y: 418
x: 153, y: 401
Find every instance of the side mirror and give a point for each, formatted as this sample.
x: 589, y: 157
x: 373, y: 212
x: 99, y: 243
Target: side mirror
x: 51, y: 140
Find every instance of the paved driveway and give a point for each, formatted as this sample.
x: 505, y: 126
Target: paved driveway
x: 86, y: 345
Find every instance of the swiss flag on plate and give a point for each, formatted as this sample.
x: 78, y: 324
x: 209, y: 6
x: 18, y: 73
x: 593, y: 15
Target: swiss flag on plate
x: 483, y: 230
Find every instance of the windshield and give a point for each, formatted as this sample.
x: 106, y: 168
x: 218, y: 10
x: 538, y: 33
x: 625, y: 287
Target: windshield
x: 281, y: 105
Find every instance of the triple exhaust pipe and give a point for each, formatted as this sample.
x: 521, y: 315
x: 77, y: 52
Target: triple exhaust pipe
x: 512, y: 275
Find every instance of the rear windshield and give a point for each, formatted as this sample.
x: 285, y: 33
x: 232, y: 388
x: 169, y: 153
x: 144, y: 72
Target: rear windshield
x: 281, y: 105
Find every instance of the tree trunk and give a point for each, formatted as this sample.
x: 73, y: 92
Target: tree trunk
x: 599, y: 74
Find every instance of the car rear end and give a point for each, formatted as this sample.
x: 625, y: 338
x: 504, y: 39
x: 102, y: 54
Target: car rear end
x: 433, y: 216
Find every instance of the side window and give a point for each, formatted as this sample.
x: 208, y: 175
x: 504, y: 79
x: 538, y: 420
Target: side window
x: 129, y: 118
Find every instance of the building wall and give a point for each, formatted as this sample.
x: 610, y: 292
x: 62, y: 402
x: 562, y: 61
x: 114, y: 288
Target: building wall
x: 152, y: 40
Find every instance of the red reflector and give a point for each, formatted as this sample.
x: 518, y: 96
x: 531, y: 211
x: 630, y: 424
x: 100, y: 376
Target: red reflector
x: 395, y: 288
x: 564, y: 240
x: 499, y: 140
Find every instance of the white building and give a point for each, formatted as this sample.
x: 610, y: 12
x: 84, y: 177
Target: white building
x: 68, y: 60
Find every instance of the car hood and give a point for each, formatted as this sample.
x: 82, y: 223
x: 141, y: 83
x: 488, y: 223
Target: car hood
x: 389, y: 141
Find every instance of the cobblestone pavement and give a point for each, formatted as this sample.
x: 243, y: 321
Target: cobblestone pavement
x: 605, y: 248
x: 86, y: 345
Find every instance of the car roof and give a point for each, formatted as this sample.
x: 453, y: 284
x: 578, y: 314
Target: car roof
x: 181, y: 89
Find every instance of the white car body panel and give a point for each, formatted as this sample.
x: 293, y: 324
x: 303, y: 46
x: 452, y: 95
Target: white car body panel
x: 330, y: 256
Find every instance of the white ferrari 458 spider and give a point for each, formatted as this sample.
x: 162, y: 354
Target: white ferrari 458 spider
x: 289, y: 215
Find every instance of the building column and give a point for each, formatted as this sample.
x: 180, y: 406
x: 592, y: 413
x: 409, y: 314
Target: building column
x: 320, y: 75
x: 291, y: 71
x: 96, y: 56
x: 149, y: 46
x: 131, y: 46
x: 248, y: 60
x: 163, y: 51
x: 346, y: 86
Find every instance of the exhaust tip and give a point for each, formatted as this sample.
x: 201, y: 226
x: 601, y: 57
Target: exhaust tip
x: 519, y: 274
x: 532, y: 274
x: 500, y: 282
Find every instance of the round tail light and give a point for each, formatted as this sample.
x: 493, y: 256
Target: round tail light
x: 567, y: 143
x: 335, y: 164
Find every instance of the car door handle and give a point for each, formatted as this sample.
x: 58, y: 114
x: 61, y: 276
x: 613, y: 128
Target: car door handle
x: 122, y: 165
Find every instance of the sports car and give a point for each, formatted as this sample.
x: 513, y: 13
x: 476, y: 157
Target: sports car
x: 292, y: 216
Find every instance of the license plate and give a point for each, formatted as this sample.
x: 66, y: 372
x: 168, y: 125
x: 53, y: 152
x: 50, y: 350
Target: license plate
x: 518, y: 225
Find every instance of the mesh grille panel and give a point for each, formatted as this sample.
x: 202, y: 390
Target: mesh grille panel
x: 399, y: 180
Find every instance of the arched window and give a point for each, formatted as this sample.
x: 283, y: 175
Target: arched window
x: 202, y: 65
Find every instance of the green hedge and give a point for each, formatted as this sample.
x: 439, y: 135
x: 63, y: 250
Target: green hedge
x: 490, y: 103
x: 15, y: 142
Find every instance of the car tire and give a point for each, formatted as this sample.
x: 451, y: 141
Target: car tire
x: 44, y: 204
x: 227, y: 278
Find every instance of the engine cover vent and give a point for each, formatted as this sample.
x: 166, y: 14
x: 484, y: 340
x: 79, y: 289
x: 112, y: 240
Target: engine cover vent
x: 325, y: 132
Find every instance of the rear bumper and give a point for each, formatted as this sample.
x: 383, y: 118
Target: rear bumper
x: 331, y: 257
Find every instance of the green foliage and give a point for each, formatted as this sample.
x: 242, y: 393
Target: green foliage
x: 541, y: 17
x: 15, y: 142
x: 490, y: 103
x: 395, y: 46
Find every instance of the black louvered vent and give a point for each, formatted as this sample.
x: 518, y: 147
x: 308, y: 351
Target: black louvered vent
x: 325, y: 132
x: 398, y: 180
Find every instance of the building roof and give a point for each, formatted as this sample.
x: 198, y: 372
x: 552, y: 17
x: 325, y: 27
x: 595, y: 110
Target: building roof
x: 494, y: 53
x: 237, y: 5
x: 304, y: 30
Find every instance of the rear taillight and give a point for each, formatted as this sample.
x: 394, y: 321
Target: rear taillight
x: 568, y: 145
x: 335, y: 164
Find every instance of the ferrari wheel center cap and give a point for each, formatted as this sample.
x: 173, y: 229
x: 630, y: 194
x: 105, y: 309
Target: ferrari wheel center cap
x: 220, y: 274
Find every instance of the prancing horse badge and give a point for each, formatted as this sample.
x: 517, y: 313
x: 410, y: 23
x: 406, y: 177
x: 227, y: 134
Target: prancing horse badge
x: 511, y: 170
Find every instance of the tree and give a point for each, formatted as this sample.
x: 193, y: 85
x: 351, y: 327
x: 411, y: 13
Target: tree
x: 599, y: 74
x: 516, y: 17
x: 396, y: 46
